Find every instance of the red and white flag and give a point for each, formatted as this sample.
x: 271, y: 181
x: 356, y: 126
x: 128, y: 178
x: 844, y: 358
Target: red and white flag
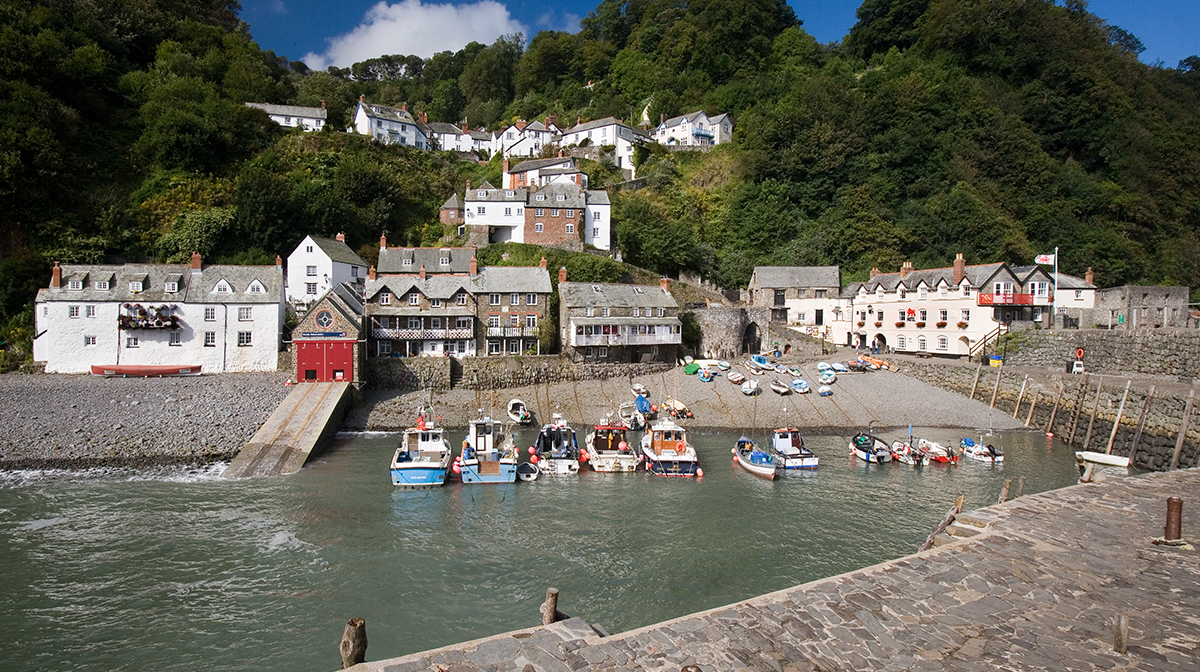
x: 1044, y: 259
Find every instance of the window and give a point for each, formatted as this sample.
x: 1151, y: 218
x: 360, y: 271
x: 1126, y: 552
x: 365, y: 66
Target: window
x: 800, y: 317
x: 590, y: 311
x: 406, y: 262
x: 899, y: 342
x: 462, y: 323
x: 819, y: 293
x: 635, y: 312
x: 531, y: 299
x: 514, y: 299
x: 174, y: 338
x: 461, y: 298
x: 310, y: 288
x: 102, y: 285
x: 531, y: 320
x: 922, y: 293
x: 539, y: 212
x: 537, y: 227
x: 244, y: 339
x: 75, y: 285
x: 541, y: 197
x: 308, y: 249
x: 554, y: 212
x: 779, y: 297
x: 223, y: 287
x: 570, y: 228
x: 595, y: 215
x: 921, y: 315
x: 508, y: 212
x: 435, y: 303
x: 602, y: 352
x: 879, y: 293
x: 245, y: 314
x: 520, y: 211
x: 1079, y: 294
x: 136, y: 286
x: 943, y: 342
x: 661, y: 312
x: 462, y: 230
x: 72, y: 311
x: 385, y: 299
x: 514, y: 320
x: 435, y: 323
x: 587, y: 352
x: 921, y: 343
x: 210, y: 314
x: 493, y: 347
x: 385, y: 348
x: 604, y: 311
x: 480, y: 210
x: 414, y: 299
x: 901, y: 293
x: 131, y: 341
x: 443, y: 261
x: 966, y: 290
x: 942, y: 292
x: 385, y: 322
x: 310, y: 271
x: 560, y: 197
x: 900, y: 315
x: 256, y: 288
x: 510, y: 193
x: 966, y: 315
x: 493, y: 320
x: 494, y: 299
x: 89, y: 340
x: 570, y: 213
x: 595, y: 232
x: 90, y: 311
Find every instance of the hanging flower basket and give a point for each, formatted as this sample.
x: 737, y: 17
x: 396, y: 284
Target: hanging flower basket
x: 962, y: 325
x: 862, y: 324
x: 920, y: 325
x: 941, y: 325
x: 900, y: 325
x: 878, y: 325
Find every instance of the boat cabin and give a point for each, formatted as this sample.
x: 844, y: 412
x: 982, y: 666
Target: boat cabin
x: 788, y: 438
x: 556, y: 441
x: 609, y: 438
x: 667, y: 439
x: 485, y: 435
x: 424, y: 445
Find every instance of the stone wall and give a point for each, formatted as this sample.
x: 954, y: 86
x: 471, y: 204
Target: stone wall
x: 492, y: 373
x: 1163, y: 417
x: 1156, y: 352
x: 802, y: 345
x: 410, y: 373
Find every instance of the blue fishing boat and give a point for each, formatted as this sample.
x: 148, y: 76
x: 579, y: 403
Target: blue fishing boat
x: 489, y: 454
x: 761, y: 362
x: 800, y: 386
x: 423, y: 456
x: 755, y: 461
x: 667, y: 452
x: 557, y: 449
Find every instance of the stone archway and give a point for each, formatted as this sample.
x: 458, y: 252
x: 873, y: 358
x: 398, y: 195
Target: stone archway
x: 964, y: 345
x: 881, y: 343
x: 751, y: 339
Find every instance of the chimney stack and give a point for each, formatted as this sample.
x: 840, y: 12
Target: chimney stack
x: 422, y: 272
x: 383, y: 241
x: 874, y: 272
x: 662, y: 119
x: 960, y: 268
x: 474, y: 266
x: 562, y: 274
x: 278, y: 262
x: 505, y: 165
x: 1089, y: 277
x: 196, y: 262
x: 468, y: 185
x: 56, y: 276
x: 404, y: 107
x: 665, y: 283
x: 542, y: 263
x: 322, y: 103
x: 906, y: 269
x: 371, y: 273
x: 362, y: 97
x: 341, y: 237
x: 465, y: 129
x: 560, y: 153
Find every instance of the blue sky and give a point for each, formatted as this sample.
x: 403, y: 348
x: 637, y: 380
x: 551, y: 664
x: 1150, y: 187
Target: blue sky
x: 323, y: 33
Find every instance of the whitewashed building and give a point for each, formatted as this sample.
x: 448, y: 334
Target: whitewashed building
x: 320, y: 264
x: 224, y: 318
x: 608, y: 131
x: 540, y: 172
x: 294, y: 116
x: 552, y: 210
x: 694, y: 129
x: 604, y: 322
x: 450, y: 137
x: 390, y: 125
x: 524, y: 139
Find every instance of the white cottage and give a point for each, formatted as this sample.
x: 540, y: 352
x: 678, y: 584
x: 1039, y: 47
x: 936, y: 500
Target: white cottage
x: 390, y: 125
x: 319, y: 264
x: 694, y: 129
x: 224, y: 318
x: 608, y: 131
x: 294, y: 116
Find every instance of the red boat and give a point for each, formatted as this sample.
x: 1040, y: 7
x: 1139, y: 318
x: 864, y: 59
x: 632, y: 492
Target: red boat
x: 144, y: 370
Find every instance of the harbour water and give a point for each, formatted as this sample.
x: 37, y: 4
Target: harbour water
x: 179, y: 569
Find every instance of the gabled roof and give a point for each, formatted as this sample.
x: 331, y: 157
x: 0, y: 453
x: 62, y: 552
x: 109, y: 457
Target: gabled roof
x: 582, y: 294
x: 573, y: 196
x: 290, y: 110
x: 594, y: 124
x: 391, y: 260
x: 433, y: 286
x: 597, y: 197
x: 536, y: 126
x: 480, y: 135
x: 505, y: 279
x: 444, y: 128
x: 766, y: 277
x: 453, y: 203
x: 385, y: 112
x: 343, y: 299
x: 485, y: 185
x: 338, y: 251
x: 675, y: 121
x: 976, y: 275
x: 495, y: 195
x: 193, y: 287
x: 535, y: 164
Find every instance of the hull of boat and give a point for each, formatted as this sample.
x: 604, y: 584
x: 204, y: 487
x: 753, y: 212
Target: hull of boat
x: 766, y: 471
x: 557, y: 466
x: 528, y: 471
x: 416, y: 477
x: 614, y: 464
x: 144, y: 371
x: 798, y: 462
x: 503, y: 471
x: 668, y: 464
x: 867, y: 456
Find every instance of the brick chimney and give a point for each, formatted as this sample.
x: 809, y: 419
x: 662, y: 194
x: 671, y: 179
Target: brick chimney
x: 874, y: 272
x: 665, y: 283
x: 960, y: 268
x: 362, y: 97
x: 906, y: 269
x: 196, y: 262
x: 505, y: 165
x: 278, y: 262
x: 404, y: 107
x: 322, y: 103
x: 56, y: 276
x: 474, y: 266
x: 382, y: 241
x: 371, y: 273
x: 562, y: 274
x: 465, y: 129
x: 1089, y: 277
x: 542, y: 263
x: 662, y: 119
x: 422, y: 272
x: 341, y: 237
x: 468, y: 185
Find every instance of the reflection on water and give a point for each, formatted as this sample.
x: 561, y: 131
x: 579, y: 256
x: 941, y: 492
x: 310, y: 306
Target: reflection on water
x: 180, y: 569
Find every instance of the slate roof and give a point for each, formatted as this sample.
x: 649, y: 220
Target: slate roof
x: 582, y: 294
x: 433, y: 286
x: 444, y: 128
x: 506, y: 279
x: 453, y: 203
x: 977, y: 275
x: 493, y: 279
x: 480, y: 135
x: 385, y: 112
x: 535, y: 164
x: 491, y: 195
x: 559, y: 171
x: 573, y: 196
x: 766, y: 277
x: 338, y: 251
x: 193, y: 287
x: 290, y: 110
x: 391, y: 260
x: 597, y: 123
x: 597, y: 197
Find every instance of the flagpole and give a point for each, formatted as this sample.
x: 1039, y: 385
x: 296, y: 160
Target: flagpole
x: 1054, y: 301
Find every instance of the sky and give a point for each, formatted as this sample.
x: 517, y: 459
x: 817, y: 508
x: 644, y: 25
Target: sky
x: 323, y: 33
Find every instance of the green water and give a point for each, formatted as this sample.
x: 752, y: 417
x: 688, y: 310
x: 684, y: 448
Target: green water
x: 177, y: 570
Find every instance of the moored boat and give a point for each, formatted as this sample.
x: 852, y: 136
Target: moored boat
x: 518, y: 412
x: 489, y: 454
x: 937, y: 452
x: 780, y: 387
x: 528, y: 471
x: 823, y: 366
x: 608, y: 450
x: 795, y: 371
x: 145, y: 370
x: 825, y: 391
x: 788, y: 446
x: 827, y: 377
x: 723, y: 365
x: 423, y: 456
x: 979, y: 451
x: 753, y: 460
x: 667, y: 452
x: 761, y: 362
x: 902, y: 451
x: 839, y: 367
x: 870, y: 448
x: 879, y: 363
x: 736, y: 377
x: 780, y: 368
x: 675, y: 408
x: 639, y: 390
x: 705, y: 375
x: 631, y: 414
x: 800, y: 386
x: 556, y: 448
x: 750, y: 387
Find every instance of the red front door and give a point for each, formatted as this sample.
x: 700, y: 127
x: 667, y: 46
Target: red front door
x: 324, y: 361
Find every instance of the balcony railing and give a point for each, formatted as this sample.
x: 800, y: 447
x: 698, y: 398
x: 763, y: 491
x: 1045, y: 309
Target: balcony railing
x: 422, y: 334
x: 1012, y: 300
x: 511, y: 332
x: 626, y: 339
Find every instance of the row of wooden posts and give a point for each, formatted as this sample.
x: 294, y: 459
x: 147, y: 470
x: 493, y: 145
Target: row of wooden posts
x: 1075, y: 416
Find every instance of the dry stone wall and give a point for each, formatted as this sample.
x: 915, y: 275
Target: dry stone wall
x: 410, y: 373
x: 493, y: 373
x: 1159, y: 433
x: 1157, y: 352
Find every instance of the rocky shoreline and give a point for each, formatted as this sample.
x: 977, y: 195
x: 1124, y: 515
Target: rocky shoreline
x: 78, y: 422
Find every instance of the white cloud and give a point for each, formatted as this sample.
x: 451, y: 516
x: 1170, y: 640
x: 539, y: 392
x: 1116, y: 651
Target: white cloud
x: 410, y: 27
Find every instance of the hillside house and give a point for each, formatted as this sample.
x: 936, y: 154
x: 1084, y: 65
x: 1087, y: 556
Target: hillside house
x: 555, y: 213
x: 328, y: 340
x: 294, y: 116
x: 608, y: 131
x: 319, y: 264
x: 802, y: 296
x: 390, y: 125
x: 693, y: 130
x: 539, y: 172
x: 602, y: 322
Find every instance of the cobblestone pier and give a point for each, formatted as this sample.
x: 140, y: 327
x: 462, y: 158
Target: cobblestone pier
x: 1037, y: 589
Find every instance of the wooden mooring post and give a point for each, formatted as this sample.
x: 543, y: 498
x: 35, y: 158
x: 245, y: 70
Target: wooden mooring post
x: 1087, y: 440
x: 550, y: 612
x: 1121, y: 634
x: 996, y: 387
x: 1004, y: 491
x: 1137, y: 435
x: 1183, y: 426
x: 946, y: 520
x: 1032, y: 405
x: 1054, y: 413
x: 1021, y: 486
x: 1020, y: 396
x: 354, y: 643
x: 1078, y: 408
x: 1117, y: 423
x: 975, y: 383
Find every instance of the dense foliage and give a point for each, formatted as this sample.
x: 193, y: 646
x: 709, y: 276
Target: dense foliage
x: 995, y: 128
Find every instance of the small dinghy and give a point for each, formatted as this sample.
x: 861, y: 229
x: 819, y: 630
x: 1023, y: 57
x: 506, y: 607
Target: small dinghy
x: 800, y: 386
x: 870, y: 448
x: 937, y: 452
x: 675, y: 408
x: 639, y: 390
x: 878, y: 363
x: 753, y: 460
x: 825, y: 391
x: 761, y: 362
x: 723, y: 365
x: 827, y: 377
x: 839, y: 367
x: 780, y: 388
x: 631, y: 413
x: 750, y: 388
x: 823, y: 366
x: 780, y: 368
x: 688, y: 359
x: 528, y: 471
x: 736, y: 377
x: 518, y: 412
x: 979, y: 451
x: 860, y: 366
x: 706, y: 376
x: 904, y: 452
x: 795, y: 371
x: 691, y: 368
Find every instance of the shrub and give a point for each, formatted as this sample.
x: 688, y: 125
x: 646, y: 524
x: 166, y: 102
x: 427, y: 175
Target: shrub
x: 920, y: 325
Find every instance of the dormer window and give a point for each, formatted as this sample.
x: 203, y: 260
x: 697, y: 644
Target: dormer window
x: 171, y: 287
x: 443, y: 261
x: 223, y: 288
x: 75, y: 285
x: 901, y: 293
x: 481, y: 193
x: 561, y: 197
x: 922, y: 294
x: 589, y: 311
x: 541, y: 197
x: 414, y: 298
x: 966, y: 290
x: 510, y: 193
x: 135, y: 286
x: 102, y: 285
x: 256, y: 287
x: 385, y: 298
x: 407, y: 262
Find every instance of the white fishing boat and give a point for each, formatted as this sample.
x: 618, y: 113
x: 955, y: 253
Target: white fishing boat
x: 675, y: 408
x: 753, y: 460
x: 788, y: 446
x: 518, y: 412
x: 423, y: 456
x: 489, y: 454
x: 781, y: 388
x: 937, y: 452
x: 667, y: 452
x: 1110, y: 464
x: 780, y: 368
x: 556, y: 448
x: 979, y: 451
x: 639, y: 390
x: 750, y: 387
x: 608, y: 451
x: 870, y: 448
x: 631, y: 416
x: 903, y: 451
